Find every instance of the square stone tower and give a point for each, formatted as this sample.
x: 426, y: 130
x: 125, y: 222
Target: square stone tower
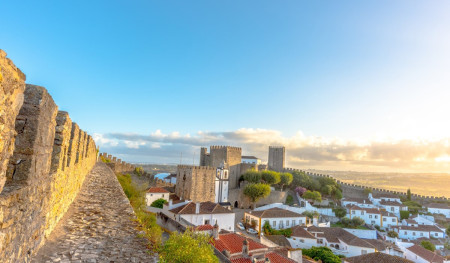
x: 277, y: 156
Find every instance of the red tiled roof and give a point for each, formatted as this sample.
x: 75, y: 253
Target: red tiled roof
x: 204, y: 227
x: 234, y: 242
x: 422, y: 228
x: 157, y: 190
x: 205, y: 208
x: 426, y: 254
x: 277, y: 258
x: 298, y: 231
x: 377, y: 257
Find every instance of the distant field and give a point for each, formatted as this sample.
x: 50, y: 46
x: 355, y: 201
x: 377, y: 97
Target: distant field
x: 424, y: 184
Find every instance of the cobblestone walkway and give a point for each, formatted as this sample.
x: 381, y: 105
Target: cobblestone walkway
x: 97, y: 227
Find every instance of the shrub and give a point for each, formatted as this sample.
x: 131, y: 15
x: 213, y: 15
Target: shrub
x: 340, y: 212
x: 257, y: 191
x: 404, y: 215
x: 187, y: 247
x: 139, y: 171
x: 300, y: 190
x: 146, y: 220
x: 311, y: 214
x: 357, y: 221
x: 392, y: 234
x: 321, y: 253
x: 428, y: 245
x: 289, y: 200
x: 268, y: 230
x: 159, y: 203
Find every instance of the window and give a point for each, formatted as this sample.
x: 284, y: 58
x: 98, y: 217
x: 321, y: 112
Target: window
x: 274, y: 223
x: 287, y: 223
x: 206, y: 221
x: 421, y: 234
x: 370, y: 216
x: 414, y: 233
x: 362, y: 213
x: 435, y: 234
x: 293, y: 222
x: 353, y: 212
x: 392, y: 209
x: 363, y: 252
x: 151, y: 194
x: 384, y: 220
x: 373, y: 222
x: 281, y: 224
x: 393, y: 220
x: 302, y: 240
x: 376, y: 216
x: 406, y: 233
x: 163, y: 195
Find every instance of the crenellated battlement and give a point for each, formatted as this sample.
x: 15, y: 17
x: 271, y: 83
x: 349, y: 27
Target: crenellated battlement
x: 220, y: 147
x: 184, y: 166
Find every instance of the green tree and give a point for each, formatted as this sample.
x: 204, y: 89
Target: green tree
x: 404, y: 215
x: 313, y: 195
x: 285, y: 179
x: 392, y: 234
x: 256, y: 191
x: 326, y: 189
x: 310, y: 214
x: 428, y: 245
x: 340, y: 212
x: 186, y: 248
x: 159, y: 203
x: 289, y: 200
x: 301, y: 179
x: 270, y: 177
x: 448, y: 231
x: 408, y: 194
x: 321, y: 253
x: 337, y: 194
x: 367, y: 191
x: 139, y: 171
x: 252, y: 176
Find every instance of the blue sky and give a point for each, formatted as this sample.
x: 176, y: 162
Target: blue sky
x: 338, y: 70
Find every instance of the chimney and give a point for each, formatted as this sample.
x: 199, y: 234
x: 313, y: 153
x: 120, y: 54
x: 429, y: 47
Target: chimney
x: 226, y: 253
x: 245, y: 249
x: 215, y: 231
x: 197, y: 208
x: 316, y: 221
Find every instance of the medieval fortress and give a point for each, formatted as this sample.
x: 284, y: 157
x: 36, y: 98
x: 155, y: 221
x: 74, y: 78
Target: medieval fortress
x: 216, y: 179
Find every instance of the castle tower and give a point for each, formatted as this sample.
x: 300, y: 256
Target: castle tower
x: 276, y: 158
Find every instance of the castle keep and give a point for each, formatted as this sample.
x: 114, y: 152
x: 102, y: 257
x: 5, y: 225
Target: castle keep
x: 276, y: 158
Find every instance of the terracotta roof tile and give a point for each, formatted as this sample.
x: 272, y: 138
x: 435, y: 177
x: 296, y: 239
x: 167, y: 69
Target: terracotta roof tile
x: 204, y: 227
x: 334, y: 234
x: 157, y: 190
x: 298, y: 231
x: 377, y: 258
x: 233, y: 243
x: 205, y: 208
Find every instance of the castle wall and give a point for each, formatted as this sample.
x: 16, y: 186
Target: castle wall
x: 117, y: 165
x: 195, y: 183
x: 50, y: 158
x: 12, y: 86
x: 237, y: 197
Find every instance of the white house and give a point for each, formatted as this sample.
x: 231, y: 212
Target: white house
x: 393, y: 207
x: 277, y: 218
x: 340, y: 241
x: 419, y: 254
x: 250, y: 159
x: 377, y: 198
x: 388, y: 220
x: 421, y: 231
x: 205, y: 213
x: 419, y: 220
x: 155, y: 193
x: 439, y: 208
x: 301, y: 238
x: 371, y: 216
x: 360, y: 202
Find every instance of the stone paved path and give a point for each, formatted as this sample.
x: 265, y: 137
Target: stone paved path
x: 97, y: 226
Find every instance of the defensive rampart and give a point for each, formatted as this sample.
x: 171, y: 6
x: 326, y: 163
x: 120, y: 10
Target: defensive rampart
x: 44, y: 159
x: 117, y: 165
x: 354, y: 190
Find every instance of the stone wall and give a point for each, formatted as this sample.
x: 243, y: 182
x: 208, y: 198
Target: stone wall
x: 353, y: 190
x: 237, y: 198
x: 117, y: 165
x: 195, y: 183
x: 12, y: 85
x: 50, y: 159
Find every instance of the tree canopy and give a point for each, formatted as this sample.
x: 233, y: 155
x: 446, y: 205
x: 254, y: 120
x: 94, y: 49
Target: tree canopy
x: 270, y: 177
x: 321, y: 253
x: 313, y: 195
x: 252, y: 176
x: 159, y: 203
x: 257, y: 191
x: 428, y: 245
x: 285, y: 179
x: 340, y: 212
x: 186, y: 248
